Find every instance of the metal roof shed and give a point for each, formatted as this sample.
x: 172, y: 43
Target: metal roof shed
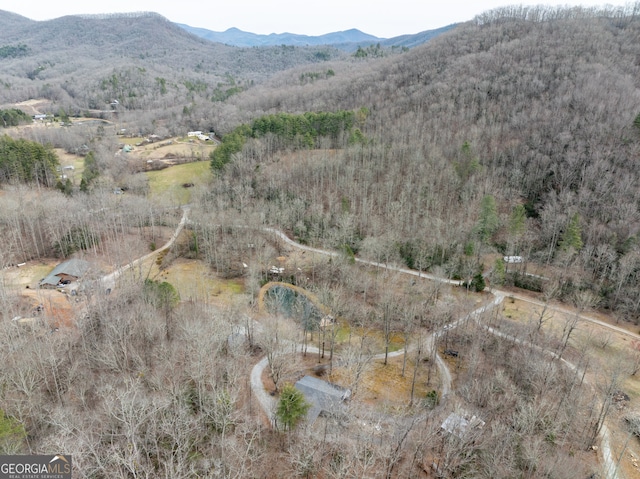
x: 71, y: 269
x: 323, y: 396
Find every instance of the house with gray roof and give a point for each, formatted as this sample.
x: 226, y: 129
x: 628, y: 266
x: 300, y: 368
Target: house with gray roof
x: 324, y: 397
x: 65, y: 273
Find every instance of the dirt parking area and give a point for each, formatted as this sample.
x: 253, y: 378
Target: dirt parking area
x: 57, y: 308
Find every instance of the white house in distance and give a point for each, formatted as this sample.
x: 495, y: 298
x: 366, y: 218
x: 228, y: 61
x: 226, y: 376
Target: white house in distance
x: 198, y: 134
x: 513, y: 259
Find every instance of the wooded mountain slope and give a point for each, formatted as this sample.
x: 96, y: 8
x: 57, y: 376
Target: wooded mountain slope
x: 143, y: 60
x: 532, y: 107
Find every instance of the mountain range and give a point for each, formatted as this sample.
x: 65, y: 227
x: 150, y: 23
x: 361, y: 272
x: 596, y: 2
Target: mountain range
x: 78, y: 27
x: 85, y: 61
x: 348, y: 40
x: 77, y: 53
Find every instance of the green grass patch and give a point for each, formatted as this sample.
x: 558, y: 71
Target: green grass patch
x: 194, y: 280
x: 133, y: 141
x: 342, y: 334
x: 191, y: 278
x: 234, y: 287
x: 27, y: 275
x: 170, y: 182
x: 78, y: 164
x: 66, y: 159
x: 193, y: 150
x: 12, y: 434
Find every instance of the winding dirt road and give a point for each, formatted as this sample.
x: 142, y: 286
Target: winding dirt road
x: 108, y: 281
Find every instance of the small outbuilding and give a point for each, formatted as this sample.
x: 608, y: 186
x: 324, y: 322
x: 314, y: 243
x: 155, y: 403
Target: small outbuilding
x: 65, y: 273
x: 513, y: 259
x: 458, y: 425
x: 324, y: 397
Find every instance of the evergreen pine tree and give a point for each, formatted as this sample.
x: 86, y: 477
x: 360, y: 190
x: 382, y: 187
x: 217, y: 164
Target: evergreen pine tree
x: 292, y: 407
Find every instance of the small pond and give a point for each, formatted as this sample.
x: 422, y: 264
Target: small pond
x: 292, y: 303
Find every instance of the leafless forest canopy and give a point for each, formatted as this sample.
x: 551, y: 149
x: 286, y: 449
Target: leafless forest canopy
x: 515, y: 134
x: 532, y: 107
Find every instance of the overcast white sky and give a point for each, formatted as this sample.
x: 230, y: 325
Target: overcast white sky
x: 382, y: 18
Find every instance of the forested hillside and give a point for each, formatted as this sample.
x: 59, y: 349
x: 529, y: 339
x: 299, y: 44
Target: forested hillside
x: 531, y: 107
x: 145, y: 62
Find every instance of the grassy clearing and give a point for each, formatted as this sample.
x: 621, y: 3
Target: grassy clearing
x: 386, y: 388
x: 67, y: 159
x: 174, y: 149
x: 169, y: 182
x: 133, y: 141
x: 193, y: 280
x: 518, y: 310
x: 528, y: 314
x: 28, y: 275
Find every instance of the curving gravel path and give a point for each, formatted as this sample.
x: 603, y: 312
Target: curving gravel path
x: 109, y: 281
x: 266, y: 401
